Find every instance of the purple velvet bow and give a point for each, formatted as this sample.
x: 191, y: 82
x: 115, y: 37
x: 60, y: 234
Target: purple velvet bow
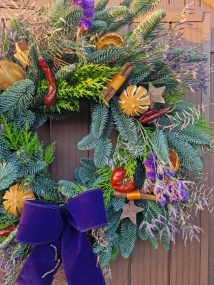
x: 58, y: 235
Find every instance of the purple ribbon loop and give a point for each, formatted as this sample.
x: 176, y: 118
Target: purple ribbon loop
x: 58, y: 236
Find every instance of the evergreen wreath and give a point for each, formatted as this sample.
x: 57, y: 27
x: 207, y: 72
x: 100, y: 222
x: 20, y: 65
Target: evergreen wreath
x: 150, y: 173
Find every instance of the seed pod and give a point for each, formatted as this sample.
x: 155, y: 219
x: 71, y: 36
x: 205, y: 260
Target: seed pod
x: 9, y: 74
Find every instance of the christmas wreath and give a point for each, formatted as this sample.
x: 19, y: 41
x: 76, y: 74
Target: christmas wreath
x: 148, y: 175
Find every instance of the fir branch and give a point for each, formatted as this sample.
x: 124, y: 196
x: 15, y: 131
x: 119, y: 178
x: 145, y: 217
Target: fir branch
x: 187, y: 154
x: 106, y: 56
x: 126, y: 3
x: 88, y: 163
x: 42, y: 186
x: 127, y: 238
x: 88, y: 142
x: 59, y: 9
x: 99, y: 119
x: 102, y: 152
x: 69, y: 189
x: 32, y: 168
x: 116, y: 203
x: 65, y: 72
x: 191, y: 134
x: 17, y: 99
x: 126, y: 20
x: 100, y: 6
x: 8, y: 174
x: 112, y: 13
x: 141, y: 7
x: 98, y: 27
x: 125, y: 125
x: 85, y: 177
x: 40, y: 119
x: 148, y: 27
x: 27, y: 117
x: 161, y: 147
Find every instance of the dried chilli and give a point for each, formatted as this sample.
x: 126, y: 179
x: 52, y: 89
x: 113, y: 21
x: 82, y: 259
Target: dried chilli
x: 50, y: 98
x: 151, y: 115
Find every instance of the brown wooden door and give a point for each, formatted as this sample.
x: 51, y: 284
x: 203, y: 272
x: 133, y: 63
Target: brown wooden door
x: 146, y: 266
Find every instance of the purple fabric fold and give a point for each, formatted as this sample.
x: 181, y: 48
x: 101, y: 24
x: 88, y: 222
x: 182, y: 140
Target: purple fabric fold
x: 58, y: 236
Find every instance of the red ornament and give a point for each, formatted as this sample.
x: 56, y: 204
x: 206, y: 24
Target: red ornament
x: 121, y: 182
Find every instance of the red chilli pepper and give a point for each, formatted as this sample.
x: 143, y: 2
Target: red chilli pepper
x: 7, y: 231
x: 50, y: 98
x: 121, y: 182
x: 153, y: 114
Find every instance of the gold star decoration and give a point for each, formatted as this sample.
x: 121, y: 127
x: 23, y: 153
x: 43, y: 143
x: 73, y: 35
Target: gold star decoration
x: 130, y: 211
x: 156, y: 95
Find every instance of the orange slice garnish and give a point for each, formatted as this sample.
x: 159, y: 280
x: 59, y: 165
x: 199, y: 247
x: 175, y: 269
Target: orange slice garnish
x: 110, y: 39
x: 134, y: 100
x: 15, y: 198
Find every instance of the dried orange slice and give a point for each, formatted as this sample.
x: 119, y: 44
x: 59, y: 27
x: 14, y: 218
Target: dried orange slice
x: 110, y: 39
x: 15, y: 198
x: 134, y: 101
x: 174, y: 159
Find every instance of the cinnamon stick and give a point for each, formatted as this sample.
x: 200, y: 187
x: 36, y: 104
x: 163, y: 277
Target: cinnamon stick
x: 117, y: 81
x: 135, y: 195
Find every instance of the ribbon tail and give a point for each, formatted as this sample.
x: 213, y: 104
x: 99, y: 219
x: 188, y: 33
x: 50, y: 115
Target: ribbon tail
x: 79, y: 261
x: 41, y: 265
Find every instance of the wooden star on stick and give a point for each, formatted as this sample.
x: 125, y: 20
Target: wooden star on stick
x: 130, y: 211
x: 156, y: 95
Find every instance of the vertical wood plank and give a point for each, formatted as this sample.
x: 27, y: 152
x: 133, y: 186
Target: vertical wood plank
x: 204, y: 214
x: 185, y: 262
x: 211, y: 183
x: 67, y: 133
x: 178, y: 3
x: 149, y: 266
x: 212, y: 31
x: 44, y: 133
x: 120, y: 272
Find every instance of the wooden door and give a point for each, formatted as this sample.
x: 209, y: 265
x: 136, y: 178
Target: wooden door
x: 146, y: 266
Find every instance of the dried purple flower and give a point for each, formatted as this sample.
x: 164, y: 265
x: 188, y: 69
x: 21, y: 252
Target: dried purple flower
x: 88, y: 13
x: 167, y: 188
x: 150, y: 169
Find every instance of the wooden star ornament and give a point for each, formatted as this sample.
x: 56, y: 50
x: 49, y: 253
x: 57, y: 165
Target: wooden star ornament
x: 156, y: 95
x: 130, y: 211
